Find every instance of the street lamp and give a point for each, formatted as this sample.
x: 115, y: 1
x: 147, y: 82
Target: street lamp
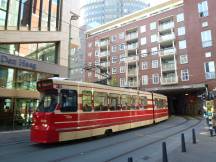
x: 74, y: 16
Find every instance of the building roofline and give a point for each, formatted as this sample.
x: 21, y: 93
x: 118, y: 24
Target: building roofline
x: 138, y: 15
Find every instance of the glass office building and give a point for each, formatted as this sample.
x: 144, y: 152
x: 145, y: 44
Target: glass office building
x: 96, y: 12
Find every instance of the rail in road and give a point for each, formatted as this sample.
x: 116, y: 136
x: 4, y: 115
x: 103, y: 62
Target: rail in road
x: 95, y: 145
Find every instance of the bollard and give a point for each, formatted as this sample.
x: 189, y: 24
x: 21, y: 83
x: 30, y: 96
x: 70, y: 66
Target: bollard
x: 183, y: 142
x: 130, y: 159
x: 164, y: 152
x: 194, y: 136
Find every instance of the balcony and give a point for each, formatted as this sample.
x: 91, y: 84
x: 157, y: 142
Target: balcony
x: 169, y: 80
x: 132, y: 59
x: 132, y: 36
x: 168, y: 66
x: 105, y: 64
x: 104, y: 43
x: 168, y: 52
x: 132, y: 84
x: 166, y: 26
x: 104, y: 54
x: 132, y: 46
x: 132, y: 72
x: 167, y: 37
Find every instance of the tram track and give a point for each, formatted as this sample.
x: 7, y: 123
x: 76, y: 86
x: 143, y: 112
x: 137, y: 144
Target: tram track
x: 129, y: 140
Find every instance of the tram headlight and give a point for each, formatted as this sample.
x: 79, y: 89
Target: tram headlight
x: 45, y: 125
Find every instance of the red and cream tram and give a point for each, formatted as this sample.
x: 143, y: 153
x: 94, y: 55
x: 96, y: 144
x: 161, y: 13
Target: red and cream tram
x: 73, y: 110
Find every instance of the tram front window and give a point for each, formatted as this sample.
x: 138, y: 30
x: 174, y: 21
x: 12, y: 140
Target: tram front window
x: 48, y: 102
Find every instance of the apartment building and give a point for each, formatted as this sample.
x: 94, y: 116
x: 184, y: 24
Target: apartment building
x: 33, y: 45
x: 168, y: 48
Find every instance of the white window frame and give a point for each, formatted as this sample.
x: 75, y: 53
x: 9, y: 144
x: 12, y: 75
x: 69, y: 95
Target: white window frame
x: 206, y: 38
x: 182, y: 44
x: 203, y: 9
x: 122, y: 69
x: 145, y: 80
x: 114, y: 70
x: 183, y: 59
x: 155, y: 79
x: 121, y: 35
x: 114, y: 59
x: 181, y: 31
x: 180, y: 17
x: 143, y: 41
x: 144, y: 53
x: 143, y: 29
x: 114, y: 48
x: 153, y: 26
x: 122, y: 82
x: 154, y: 38
x: 154, y: 50
x: 154, y: 64
x: 185, y: 76
x: 121, y: 47
x: 144, y: 65
x: 211, y: 73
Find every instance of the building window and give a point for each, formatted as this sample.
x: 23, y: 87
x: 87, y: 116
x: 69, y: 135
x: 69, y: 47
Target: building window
x: 122, y: 69
x: 154, y: 51
x: 185, y: 75
x: 113, y: 48
x: 154, y: 38
x: 206, y: 38
x: 143, y: 29
x: 121, y: 35
x: 145, y: 80
x: 209, y: 70
x: 143, y: 40
x: 204, y: 24
x: 181, y: 31
x: 182, y: 44
x: 89, y: 54
x: 144, y: 65
x: 144, y: 53
x: 96, y: 53
x: 180, y: 17
x: 153, y: 26
x: 183, y: 59
x: 154, y: 64
x: 114, y: 70
x: 97, y: 62
x: 122, y: 82
x: 113, y: 38
x: 203, y: 9
x: 3, y: 11
x: 114, y: 59
x: 122, y: 57
x: 122, y: 47
x: 155, y: 78
x: 97, y: 43
x: 208, y: 54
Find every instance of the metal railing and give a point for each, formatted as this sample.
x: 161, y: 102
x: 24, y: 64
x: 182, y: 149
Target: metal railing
x: 132, y: 46
x: 168, y: 51
x: 104, y: 54
x: 166, y: 26
x: 132, y: 36
x: 132, y: 59
x: 168, y: 66
x: 169, y: 80
x: 167, y: 37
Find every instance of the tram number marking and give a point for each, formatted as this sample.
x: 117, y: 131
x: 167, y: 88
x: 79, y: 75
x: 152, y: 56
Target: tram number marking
x: 68, y: 116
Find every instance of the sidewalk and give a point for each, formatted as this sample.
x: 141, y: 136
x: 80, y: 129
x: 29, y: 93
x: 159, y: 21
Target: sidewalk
x: 203, y: 151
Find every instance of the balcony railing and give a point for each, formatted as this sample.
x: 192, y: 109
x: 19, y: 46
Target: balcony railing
x: 132, y: 72
x: 104, y: 43
x: 168, y: 66
x: 132, y: 36
x: 169, y: 80
x: 105, y: 64
x: 166, y: 26
x: 132, y: 46
x: 167, y: 52
x: 167, y: 37
x: 132, y: 59
x: 132, y: 84
x: 104, y: 54
x: 210, y: 75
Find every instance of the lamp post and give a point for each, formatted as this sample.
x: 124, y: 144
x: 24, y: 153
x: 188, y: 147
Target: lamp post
x: 73, y: 16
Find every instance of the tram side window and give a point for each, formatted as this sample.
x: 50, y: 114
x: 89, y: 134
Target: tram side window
x: 114, y: 102
x: 143, y: 102
x: 124, y: 102
x: 69, y: 100
x: 133, y: 102
x: 86, y: 101
x: 100, y: 101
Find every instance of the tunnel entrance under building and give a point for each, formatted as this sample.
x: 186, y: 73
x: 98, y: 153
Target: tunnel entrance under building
x: 184, y: 101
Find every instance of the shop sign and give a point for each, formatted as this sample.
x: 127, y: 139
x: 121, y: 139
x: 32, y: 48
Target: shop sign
x: 210, y: 107
x: 17, y: 62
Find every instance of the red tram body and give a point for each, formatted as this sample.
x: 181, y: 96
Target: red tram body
x: 73, y: 110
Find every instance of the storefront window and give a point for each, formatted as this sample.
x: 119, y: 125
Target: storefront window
x: 9, y: 48
x: 13, y: 14
x: 6, y: 114
x: 47, y: 52
x: 54, y: 15
x: 26, y: 80
x: 6, y: 77
x: 35, y: 15
x: 45, y: 11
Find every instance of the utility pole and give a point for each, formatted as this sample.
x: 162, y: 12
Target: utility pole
x: 73, y: 17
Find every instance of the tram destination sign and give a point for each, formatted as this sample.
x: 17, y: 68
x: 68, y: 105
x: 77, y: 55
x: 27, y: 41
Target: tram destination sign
x: 23, y: 63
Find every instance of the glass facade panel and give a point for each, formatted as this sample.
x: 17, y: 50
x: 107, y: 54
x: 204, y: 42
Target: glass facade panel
x: 35, y: 15
x: 26, y: 80
x: 6, y: 77
x: 38, y: 51
x: 13, y: 14
x: 3, y: 9
x: 24, y: 15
